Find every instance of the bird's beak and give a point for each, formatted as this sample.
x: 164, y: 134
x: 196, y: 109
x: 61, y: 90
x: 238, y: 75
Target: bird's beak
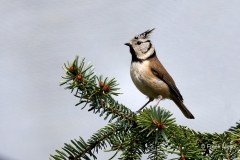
x: 127, y: 44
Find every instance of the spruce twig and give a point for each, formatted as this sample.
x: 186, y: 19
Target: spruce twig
x: 153, y: 131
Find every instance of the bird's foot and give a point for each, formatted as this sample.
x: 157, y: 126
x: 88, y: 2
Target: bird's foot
x: 137, y: 112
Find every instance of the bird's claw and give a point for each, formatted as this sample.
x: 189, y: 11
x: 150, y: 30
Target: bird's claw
x: 137, y: 112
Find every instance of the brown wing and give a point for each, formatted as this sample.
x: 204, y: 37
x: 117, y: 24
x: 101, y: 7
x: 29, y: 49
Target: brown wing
x: 160, y: 72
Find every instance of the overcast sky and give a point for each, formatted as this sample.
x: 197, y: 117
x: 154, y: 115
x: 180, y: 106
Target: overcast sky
x: 198, y: 42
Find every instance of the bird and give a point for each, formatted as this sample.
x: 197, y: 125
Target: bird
x: 149, y: 75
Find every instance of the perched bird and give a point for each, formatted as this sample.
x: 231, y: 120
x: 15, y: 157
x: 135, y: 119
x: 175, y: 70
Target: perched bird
x: 149, y: 75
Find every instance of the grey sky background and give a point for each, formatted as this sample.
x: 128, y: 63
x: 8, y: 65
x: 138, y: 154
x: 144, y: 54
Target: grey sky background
x: 198, y: 42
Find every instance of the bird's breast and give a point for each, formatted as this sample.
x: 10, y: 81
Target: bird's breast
x: 146, y: 82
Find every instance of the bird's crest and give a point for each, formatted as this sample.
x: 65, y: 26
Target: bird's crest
x: 144, y: 35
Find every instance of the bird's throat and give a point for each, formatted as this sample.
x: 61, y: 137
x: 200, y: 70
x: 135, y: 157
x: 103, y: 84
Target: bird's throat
x: 136, y: 59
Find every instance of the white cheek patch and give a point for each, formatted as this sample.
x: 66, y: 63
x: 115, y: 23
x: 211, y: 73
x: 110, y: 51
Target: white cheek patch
x: 144, y: 47
x: 146, y: 55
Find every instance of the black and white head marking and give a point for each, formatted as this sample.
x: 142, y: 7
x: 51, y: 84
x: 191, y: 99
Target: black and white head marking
x: 144, y: 35
x: 141, y: 47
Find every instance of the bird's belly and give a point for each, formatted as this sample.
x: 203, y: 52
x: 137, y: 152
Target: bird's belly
x: 147, y: 83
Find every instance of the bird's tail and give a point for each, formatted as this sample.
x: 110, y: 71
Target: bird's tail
x: 183, y: 108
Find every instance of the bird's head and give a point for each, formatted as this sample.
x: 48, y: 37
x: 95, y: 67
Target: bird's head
x: 141, y: 46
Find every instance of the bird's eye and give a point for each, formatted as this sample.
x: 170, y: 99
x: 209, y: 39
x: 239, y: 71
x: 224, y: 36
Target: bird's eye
x: 139, y: 42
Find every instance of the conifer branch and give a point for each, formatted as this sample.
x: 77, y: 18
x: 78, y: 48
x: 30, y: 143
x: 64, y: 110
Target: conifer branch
x: 153, y: 131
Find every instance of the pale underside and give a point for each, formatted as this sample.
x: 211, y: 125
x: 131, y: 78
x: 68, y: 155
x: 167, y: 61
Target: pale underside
x: 147, y: 83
